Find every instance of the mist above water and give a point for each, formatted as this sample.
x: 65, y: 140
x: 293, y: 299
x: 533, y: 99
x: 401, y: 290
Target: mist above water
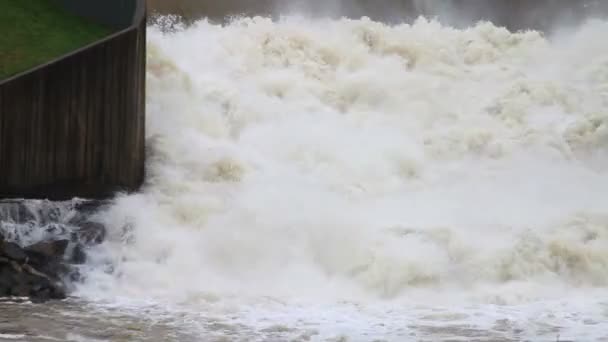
x: 546, y: 15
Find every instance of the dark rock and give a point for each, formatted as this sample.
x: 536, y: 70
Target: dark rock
x: 54, y: 270
x: 12, y: 251
x: 58, y: 291
x: 78, y: 256
x: 6, y: 280
x: 16, y: 267
x: 22, y: 285
x: 36, y: 285
x: 51, y: 250
x: 84, y: 210
x: 55, y: 229
x: 34, y: 272
x: 34, y: 282
x: 88, y: 208
x: 15, y: 211
x: 91, y: 233
x: 20, y: 290
x: 46, y: 270
x: 74, y: 276
x: 24, y: 214
x: 41, y: 296
x: 52, y: 215
x: 62, y: 269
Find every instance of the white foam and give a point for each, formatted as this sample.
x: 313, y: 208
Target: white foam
x: 349, y: 160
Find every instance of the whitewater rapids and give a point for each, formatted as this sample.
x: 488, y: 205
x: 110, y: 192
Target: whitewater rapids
x: 350, y: 179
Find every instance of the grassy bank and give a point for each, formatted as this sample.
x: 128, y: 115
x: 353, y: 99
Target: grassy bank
x: 33, y: 32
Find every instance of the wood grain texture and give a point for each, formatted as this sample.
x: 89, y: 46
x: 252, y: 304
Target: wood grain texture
x: 75, y: 127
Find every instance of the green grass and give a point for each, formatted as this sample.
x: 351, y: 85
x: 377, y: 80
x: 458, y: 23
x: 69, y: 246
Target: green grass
x: 33, y: 32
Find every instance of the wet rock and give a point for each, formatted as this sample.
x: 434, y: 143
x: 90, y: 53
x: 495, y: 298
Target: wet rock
x: 88, y: 208
x: 15, y: 211
x: 42, y: 295
x: 55, y: 229
x: 73, y: 275
x: 85, y: 210
x: 16, y: 267
x: 20, y: 290
x: 78, y: 256
x: 42, y: 289
x: 6, y: 280
x: 37, y: 286
x: 44, y: 212
x: 25, y: 214
x: 12, y: 251
x: 52, y: 250
x: 91, y: 233
x: 33, y: 271
x: 44, y: 270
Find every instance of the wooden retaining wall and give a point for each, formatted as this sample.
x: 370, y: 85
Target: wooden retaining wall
x: 75, y: 127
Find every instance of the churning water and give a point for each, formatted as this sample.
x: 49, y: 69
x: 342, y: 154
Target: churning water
x: 346, y: 180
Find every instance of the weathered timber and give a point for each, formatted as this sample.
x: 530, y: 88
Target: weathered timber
x: 74, y: 127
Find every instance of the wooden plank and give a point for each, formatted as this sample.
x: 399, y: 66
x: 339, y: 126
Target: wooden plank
x: 75, y: 127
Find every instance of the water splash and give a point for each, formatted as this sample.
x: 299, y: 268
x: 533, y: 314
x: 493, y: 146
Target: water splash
x: 329, y: 160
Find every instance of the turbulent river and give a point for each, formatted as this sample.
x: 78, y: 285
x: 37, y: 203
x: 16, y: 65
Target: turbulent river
x: 346, y: 180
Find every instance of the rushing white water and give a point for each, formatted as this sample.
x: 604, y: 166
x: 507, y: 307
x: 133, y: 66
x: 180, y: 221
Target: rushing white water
x: 367, y: 179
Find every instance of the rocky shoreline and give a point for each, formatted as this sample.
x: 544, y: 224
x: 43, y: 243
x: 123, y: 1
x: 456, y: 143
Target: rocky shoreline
x: 42, y: 243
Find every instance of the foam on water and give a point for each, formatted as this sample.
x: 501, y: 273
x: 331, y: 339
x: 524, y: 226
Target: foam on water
x: 320, y: 161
